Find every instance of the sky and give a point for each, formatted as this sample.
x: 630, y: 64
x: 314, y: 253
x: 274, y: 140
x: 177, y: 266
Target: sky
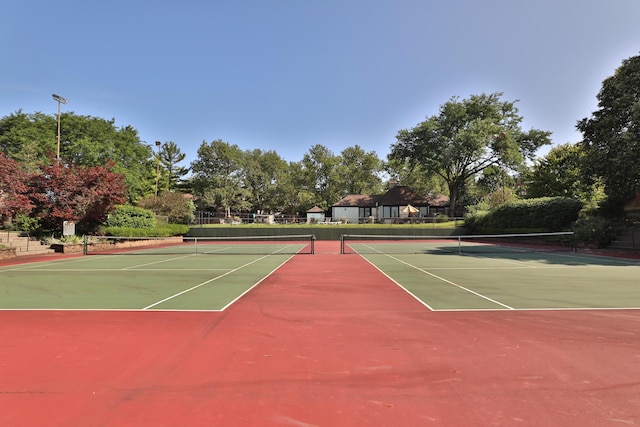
x: 285, y: 75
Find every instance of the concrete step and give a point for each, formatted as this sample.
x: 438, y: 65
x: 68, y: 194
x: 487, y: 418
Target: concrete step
x: 24, y: 245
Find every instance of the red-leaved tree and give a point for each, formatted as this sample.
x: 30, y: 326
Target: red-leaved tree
x: 84, y: 195
x: 13, y: 189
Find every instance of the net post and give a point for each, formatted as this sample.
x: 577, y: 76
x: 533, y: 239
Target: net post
x: 459, y: 245
x: 313, y: 244
x: 195, y: 245
x: 85, y: 244
x: 342, y: 244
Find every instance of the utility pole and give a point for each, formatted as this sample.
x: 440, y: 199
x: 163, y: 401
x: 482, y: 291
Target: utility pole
x: 60, y: 100
x: 158, y: 144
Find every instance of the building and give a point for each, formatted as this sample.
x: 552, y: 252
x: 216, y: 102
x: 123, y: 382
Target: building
x: 398, y: 204
x: 315, y: 214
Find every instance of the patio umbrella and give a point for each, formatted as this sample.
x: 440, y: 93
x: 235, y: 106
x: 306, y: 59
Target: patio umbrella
x: 410, y: 209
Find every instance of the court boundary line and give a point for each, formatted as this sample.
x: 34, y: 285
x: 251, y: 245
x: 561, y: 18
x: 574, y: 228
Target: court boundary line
x: 398, y: 284
x: 506, y: 307
x: 472, y: 310
x: 441, y: 279
x: 219, y: 277
x: 149, y: 309
x: 453, y: 283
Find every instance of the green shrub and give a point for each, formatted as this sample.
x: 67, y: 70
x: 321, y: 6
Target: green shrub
x: 166, y: 230
x: 26, y: 223
x: 131, y: 217
x: 542, y: 214
x: 177, y: 207
x: 595, y: 230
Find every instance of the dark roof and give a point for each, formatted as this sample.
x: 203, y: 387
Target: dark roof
x: 357, y: 200
x: 400, y: 195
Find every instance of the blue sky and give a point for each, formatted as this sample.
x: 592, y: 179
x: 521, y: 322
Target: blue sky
x: 285, y: 75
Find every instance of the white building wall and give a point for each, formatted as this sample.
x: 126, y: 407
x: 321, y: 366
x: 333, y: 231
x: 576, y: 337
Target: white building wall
x: 348, y: 213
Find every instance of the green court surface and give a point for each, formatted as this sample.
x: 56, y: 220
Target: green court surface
x: 134, y: 282
x: 482, y: 277
x: 514, y: 280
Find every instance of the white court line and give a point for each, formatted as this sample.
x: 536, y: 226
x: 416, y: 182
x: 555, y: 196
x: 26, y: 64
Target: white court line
x: 157, y: 262
x: 112, y: 270
x: 214, y: 279
x: 36, y: 264
x: 543, y: 267
x: 449, y: 282
x: 398, y: 284
x: 452, y: 283
x: 541, y: 309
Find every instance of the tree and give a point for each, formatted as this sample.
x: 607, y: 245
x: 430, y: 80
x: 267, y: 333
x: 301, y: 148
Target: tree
x: 170, y: 156
x: 13, y: 189
x: 291, y: 193
x: 416, y: 178
x: 177, y: 207
x: 262, y: 173
x: 83, y: 194
x: 611, y: 137
x: 559, y: 173
x: 31, y: 140
x: 321, y: 176
x: 465, y: 138
x: 93, y: 141
x: 217, y: 176
x: 359, y: 171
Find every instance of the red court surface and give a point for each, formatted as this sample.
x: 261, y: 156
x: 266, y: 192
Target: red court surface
x: 327, y: 340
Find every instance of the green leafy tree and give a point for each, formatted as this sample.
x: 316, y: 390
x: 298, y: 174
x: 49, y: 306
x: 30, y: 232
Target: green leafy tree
x: 359, y: 171
x: 93, y: 141
x: 262, y: 173
x: 494, y: 178
x: 177, y: 207
x: 170, y: 156
x: 321, y: 176
x: 414, y: 177
x: 31, y: 140
x: 560, y: 173
x: 465, y: 138
x: 218, y: 176
x: 291, y: 193
x: 611, y: 136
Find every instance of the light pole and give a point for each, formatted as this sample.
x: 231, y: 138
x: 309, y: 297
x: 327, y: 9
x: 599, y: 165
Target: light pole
x: 60, y: 100
x: 158, y: 144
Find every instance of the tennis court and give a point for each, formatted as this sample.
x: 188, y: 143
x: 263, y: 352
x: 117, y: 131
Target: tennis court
x: 416, y: 335
x: 443, y: 273
x: 516, y: 272
x: 149, y: 274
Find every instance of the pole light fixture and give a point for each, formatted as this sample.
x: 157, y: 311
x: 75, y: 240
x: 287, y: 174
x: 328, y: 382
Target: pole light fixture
x: 158, y: 144
x: 60, y: 100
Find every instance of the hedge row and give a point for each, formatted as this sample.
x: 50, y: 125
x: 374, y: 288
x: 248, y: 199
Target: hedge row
x: 132, y: 217
x: 166, y: 230
x: 542, y: 214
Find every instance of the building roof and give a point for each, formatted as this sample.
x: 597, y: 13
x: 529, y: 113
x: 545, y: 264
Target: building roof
x: 316, y: 209
x: 357, y: 200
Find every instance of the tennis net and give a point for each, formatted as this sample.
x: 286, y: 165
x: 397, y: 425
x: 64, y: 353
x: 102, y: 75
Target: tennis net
x: 489, y: 243
x: 245, y: 245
